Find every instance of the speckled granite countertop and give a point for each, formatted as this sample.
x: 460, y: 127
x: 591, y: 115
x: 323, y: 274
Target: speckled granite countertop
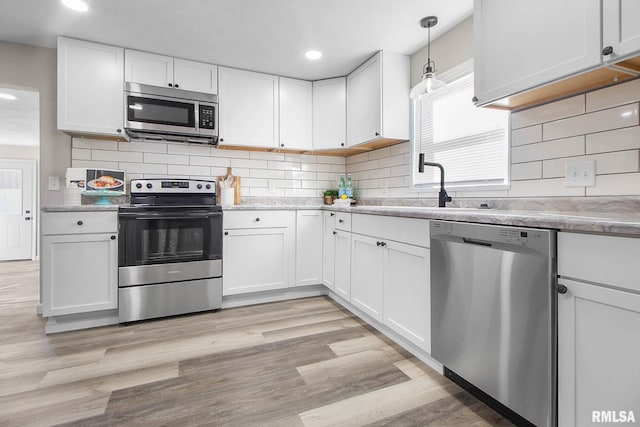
x: 622, y: 221
x: 80, y: 208
x: 617, y: 223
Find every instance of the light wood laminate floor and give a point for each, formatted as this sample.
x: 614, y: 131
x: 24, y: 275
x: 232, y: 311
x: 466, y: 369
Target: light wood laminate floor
x: 304, y: 362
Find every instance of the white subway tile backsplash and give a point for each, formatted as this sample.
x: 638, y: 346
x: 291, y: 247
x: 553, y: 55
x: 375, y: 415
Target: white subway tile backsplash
x: 316, y: 167
x: 613, y: 96
x: 189, y: 170
x: 80, y: 154
x: 548, y: 150
x: 392, y: 161
x: 169, y: 159
x: 380, y: 153
x: 303, y: 158
x: 189, y: 149
x: 287, y: 166
x: 393, y: 182
x: 526, y: 135
x: 339, y: 168
x: 379, y: 173
x: 401, y: 170
x: 255, y: 182
x: 543, y: 188
x: 285, y: 183
x: 320, y: 185
x: 616, y: 185
x: 299, y: 175
x: 358, y: 158
x: 236, y: 154
x: 251, y: 164
x: 606, y: 163
x: 301, y: 192
x: 209, y: 161
x: 116, y: 156
x: 142, y: 168
x: 371, y: 164
x: 94, y: 144
x: 598, y: 121
x: 93, y: 164
x: 266, y: 173
x: 264, y: 155
x: 546, y: 113
x: 333, y: 160
x: 328, y: 176
x: 147, y: 147
x: 614, y: 140
x: 401, y: 148
x: 266, y: 192
x: 531, y: 170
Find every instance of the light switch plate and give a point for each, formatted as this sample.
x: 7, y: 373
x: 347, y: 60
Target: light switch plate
x: 54, y: 183
x: 580, y: 174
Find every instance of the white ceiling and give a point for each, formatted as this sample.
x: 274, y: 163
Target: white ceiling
x: 263, y: 35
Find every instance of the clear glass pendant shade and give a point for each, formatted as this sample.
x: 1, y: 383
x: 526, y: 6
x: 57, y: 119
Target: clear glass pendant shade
x: 427, y: 85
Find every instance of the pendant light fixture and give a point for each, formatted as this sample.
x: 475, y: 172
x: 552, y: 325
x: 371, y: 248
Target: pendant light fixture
x: 429, y: 82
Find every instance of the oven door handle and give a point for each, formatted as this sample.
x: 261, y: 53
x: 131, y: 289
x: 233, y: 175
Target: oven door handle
x: 173, y: 216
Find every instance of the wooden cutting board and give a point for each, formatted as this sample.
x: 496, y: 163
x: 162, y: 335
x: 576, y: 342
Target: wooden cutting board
x: 236, y: 185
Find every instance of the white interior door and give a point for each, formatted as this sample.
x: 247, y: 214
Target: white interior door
x: 17, y: 217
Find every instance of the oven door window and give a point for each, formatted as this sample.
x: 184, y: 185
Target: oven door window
x: 160, y: 111
x: 167, y: 239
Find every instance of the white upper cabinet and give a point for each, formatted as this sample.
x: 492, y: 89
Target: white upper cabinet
x: 159, y: 70
x: 620, y: 28
x: 148, y: 68
x: 523, y: 45
x: 330, y: 113
x: 195, y: 76
x: 90, y: 88
x: 378, y: 99
x: 249, y: 116
x: 296, y: 114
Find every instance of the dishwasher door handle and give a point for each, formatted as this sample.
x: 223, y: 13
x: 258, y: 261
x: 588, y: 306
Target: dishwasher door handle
x: 476, y: 242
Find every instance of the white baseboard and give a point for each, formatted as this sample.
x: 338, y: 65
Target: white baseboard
x: 272, y: 296
x: 72, y: 322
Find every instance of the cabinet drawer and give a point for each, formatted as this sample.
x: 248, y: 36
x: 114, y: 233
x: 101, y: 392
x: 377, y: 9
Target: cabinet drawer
x: 414, y: 231
x: 608, y: 260
x: 258, y: 219
x: 79, y: 222
x: 343, y: 221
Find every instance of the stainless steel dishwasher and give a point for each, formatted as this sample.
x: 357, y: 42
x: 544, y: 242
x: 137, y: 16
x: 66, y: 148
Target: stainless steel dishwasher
x: 493, y: 315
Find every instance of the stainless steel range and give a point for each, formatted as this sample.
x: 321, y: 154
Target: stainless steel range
x: 170, y: 249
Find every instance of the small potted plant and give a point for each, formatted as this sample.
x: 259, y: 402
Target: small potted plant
x: 330, y: 196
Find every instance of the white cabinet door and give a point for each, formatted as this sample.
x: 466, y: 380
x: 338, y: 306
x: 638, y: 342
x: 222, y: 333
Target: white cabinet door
x: 309, y: 247
x: 148, y: 68
x: 80, y: 273
x: 367, y: 275
x: 620, y: 27
x: 519, y: 45
x: 330, y: 113
x: 598, y: 352
x: 364, y: 102
x: 407, y: 292
x: 195, y: 76
x: 343, y: 264
x: 296, y: 114
x: 90, y: 88
x: 249, y: 116
x: 328, y: 249
x: 257, y: 259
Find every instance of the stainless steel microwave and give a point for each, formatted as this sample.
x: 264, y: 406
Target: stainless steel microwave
x: 152, y: 112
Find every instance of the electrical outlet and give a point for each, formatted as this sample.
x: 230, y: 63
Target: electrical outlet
x: 580, y: 174
x: 272, y: 187
x: 54, y: 183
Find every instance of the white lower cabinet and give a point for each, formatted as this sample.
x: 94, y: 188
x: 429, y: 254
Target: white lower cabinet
x: 342, y: 264
x: 309, y: 224
x: 79, y: 262
x: 258, y: 251
x: 328, y: 249
x: 367, y: 275
x: 598, y: 329
x: 407, y: 292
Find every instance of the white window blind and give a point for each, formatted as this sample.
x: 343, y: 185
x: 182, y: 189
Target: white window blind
x: 470, y: 142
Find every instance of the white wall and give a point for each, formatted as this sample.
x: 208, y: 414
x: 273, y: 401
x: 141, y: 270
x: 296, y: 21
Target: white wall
x: 34, y: 68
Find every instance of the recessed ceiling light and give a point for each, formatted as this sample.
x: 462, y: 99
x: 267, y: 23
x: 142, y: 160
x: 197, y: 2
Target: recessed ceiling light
x: 313, y: 54
x: 7, y: 97
x: 77, y: 5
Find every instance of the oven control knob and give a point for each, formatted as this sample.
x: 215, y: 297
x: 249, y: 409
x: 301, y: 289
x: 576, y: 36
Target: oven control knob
x: 139, y: 185
x: 149, y: 185
x: 199, y: 186
x: 208, y: 186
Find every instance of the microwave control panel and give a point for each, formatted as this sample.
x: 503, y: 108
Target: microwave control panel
x: 207, y: 117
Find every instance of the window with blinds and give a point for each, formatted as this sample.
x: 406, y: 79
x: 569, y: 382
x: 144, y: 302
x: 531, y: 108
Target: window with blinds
x: 470, y: 142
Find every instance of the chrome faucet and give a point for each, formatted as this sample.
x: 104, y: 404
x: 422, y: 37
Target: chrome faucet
x: 443, y: 197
